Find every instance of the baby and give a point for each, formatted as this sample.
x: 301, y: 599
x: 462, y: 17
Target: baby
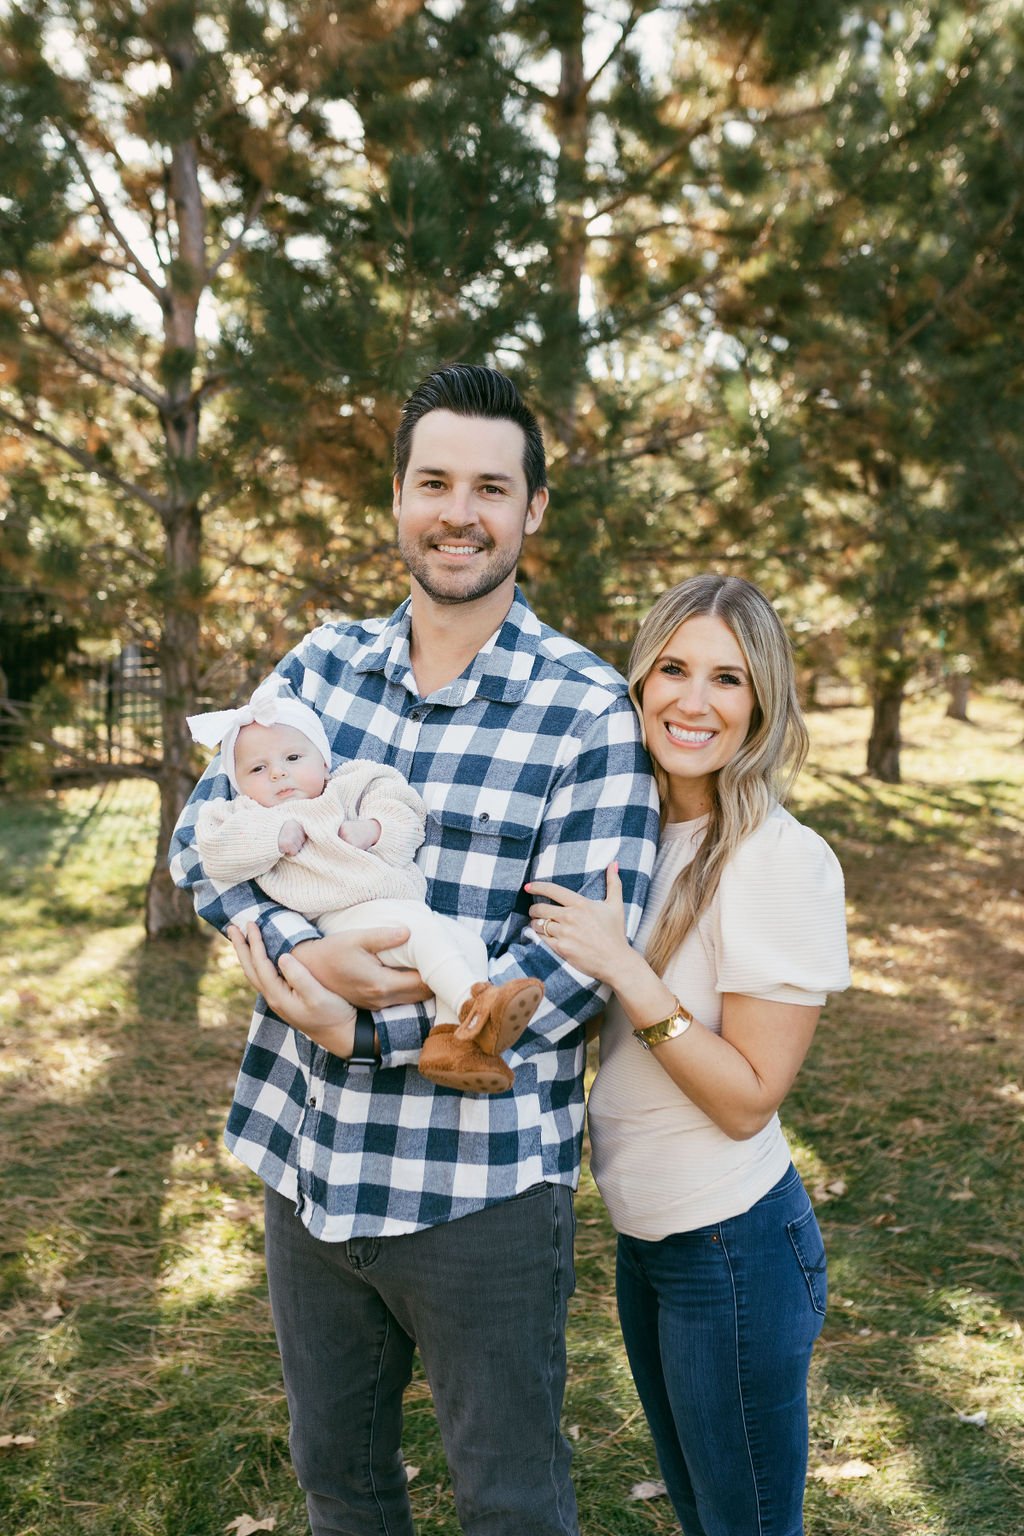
x: 338, y: 848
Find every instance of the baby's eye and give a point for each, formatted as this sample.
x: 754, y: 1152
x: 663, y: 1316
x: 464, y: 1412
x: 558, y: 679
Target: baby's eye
x: 256, y: 768
x: 294, y: 757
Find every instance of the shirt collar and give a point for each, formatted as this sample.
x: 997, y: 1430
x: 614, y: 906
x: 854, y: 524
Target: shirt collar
x: 501, y: 669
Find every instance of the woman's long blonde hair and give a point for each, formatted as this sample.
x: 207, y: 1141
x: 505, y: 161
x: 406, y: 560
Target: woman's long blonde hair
x: 763, y: 770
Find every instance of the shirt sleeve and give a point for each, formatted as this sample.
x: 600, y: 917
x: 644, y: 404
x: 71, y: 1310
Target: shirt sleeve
x: 603, y: 808
x: 780, y: 917
x: 237, y: 904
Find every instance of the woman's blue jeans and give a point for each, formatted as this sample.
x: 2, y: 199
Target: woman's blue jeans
x: 484, y: 1300
x: 719, y: 1325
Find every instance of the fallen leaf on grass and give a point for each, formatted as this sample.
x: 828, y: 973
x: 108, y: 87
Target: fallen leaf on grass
x: 979, y: 1419
x: 16, y: 1440
x: 647, y: 1491
x: 840, y: 1474
x: 830, y: 1191
x: 411, y: 1472
x: 245, y: 1525
x: 53, y: 1312
x: 997, y: 1250
x: 573, y: 1432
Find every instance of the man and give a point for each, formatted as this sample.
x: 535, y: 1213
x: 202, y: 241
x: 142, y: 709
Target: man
x: 400, y: 1215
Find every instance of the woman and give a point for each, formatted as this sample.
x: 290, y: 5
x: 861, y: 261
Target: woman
x: 721, y: 1268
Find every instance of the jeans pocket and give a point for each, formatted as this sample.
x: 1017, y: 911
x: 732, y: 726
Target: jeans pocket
x: 810, y: 1253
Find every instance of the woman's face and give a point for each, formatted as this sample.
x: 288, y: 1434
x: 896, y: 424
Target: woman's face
x: 698, y: 702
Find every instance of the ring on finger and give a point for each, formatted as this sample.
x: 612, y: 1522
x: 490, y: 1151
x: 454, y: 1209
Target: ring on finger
x: 546, y: 927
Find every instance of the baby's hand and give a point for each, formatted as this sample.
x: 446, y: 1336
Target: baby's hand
x: 361, y: 834
x: 290, y: 838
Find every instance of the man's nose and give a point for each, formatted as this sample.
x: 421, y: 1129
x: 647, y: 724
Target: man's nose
x: 459, y: 509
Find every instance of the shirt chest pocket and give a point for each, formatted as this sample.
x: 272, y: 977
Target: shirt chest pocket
x: 467, y: 811
x: 478, y: 846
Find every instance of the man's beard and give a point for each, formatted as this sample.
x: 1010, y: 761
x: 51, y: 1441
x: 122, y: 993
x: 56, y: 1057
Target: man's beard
x: 488, y: 575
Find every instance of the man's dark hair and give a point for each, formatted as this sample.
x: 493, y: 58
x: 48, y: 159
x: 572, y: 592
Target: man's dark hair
x: 468, y: 390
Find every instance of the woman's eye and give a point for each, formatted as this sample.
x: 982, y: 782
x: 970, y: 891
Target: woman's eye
x: 671, y: 669
x: 730, y: 677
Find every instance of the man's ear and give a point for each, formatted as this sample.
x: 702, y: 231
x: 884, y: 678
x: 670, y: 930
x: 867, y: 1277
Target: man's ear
x: 535, y: 511
x: 396, y: 496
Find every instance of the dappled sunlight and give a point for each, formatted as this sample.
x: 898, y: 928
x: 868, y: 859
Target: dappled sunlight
x: 212, y: 1241
x: 65, y: 1068
x: 208, y: 1262
x: 131, y: 1265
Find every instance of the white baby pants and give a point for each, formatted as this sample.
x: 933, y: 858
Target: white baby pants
x: 448, y: 955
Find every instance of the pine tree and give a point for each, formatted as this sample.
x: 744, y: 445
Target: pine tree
x: 879, y: 337
x: 144, y: 151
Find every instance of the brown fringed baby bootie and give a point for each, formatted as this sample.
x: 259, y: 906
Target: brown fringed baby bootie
x: 475, y: 1065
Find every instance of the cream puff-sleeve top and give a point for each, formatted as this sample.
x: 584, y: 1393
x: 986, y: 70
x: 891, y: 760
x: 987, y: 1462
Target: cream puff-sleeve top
x: 776, y: 929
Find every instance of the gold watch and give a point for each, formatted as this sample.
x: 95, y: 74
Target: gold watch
x: 676, y: 1024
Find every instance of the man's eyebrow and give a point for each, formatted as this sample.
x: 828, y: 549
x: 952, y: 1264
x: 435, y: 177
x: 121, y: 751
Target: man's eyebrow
x: 488, y: 475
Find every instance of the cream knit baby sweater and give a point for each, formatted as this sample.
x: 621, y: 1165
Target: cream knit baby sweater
x: 237, y: 840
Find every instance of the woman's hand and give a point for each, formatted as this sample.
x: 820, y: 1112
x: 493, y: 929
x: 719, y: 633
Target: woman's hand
x: 294, y: 993
x: 590, y: 935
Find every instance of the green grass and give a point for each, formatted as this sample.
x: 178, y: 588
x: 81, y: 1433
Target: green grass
x: 135, y: 1338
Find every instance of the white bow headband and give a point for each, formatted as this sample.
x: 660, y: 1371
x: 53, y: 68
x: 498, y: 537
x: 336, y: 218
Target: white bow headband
x: 266, y: 707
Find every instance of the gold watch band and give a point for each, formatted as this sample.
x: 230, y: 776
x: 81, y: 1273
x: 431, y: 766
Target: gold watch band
x: 677, y: 1023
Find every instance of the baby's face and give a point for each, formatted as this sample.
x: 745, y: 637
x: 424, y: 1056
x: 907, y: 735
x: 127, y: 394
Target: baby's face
x: 274, y: 763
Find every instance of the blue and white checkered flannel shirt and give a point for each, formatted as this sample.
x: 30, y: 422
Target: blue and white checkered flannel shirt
x: 531, y: 768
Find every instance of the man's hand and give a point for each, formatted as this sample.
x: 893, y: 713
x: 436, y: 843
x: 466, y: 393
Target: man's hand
x: 295, y: 994
x: 347, y: 964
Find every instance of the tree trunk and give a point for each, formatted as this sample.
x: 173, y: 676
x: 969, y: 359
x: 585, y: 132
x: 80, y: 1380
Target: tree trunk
x: 169, y: 910
x: 571, y: 123
x: 959, y: 692
x: 884, y: 741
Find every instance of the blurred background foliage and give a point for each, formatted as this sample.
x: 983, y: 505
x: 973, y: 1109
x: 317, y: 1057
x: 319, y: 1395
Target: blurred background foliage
x: 759, y: 268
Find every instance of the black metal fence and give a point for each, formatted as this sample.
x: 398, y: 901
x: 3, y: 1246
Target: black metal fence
x: 92, y: 713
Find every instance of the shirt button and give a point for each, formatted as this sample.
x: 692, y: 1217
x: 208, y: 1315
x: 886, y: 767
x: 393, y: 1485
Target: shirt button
x: 485, y: 815
x: 312, y: 1102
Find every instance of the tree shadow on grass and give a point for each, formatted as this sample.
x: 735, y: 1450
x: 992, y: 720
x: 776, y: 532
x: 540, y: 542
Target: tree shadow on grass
x: 912, y: 1097
x: 154, y: 1391
x: 866, y: 813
